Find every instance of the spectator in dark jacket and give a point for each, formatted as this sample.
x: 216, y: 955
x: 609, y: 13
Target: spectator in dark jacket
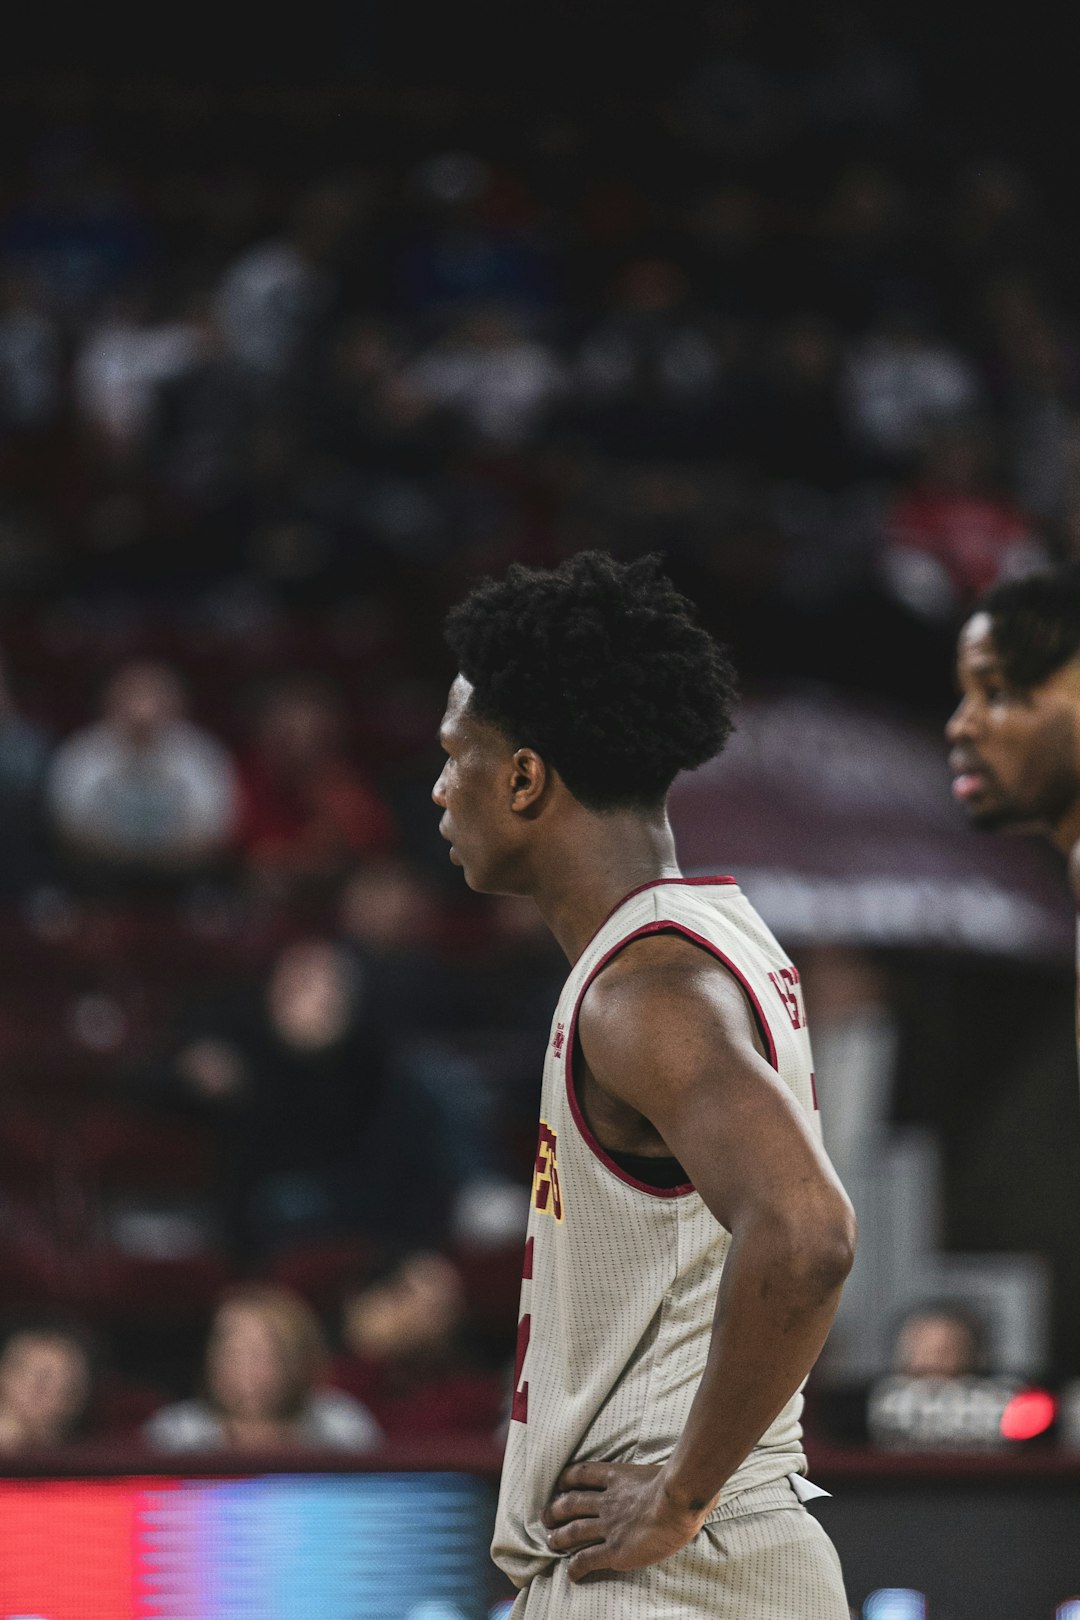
x: 313, y: 1137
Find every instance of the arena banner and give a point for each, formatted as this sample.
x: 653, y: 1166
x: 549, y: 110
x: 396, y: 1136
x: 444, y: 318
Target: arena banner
x: 838, y: 821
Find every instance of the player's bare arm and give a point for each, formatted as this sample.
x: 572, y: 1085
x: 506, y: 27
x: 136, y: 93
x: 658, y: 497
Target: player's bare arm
x: 667, y: 1037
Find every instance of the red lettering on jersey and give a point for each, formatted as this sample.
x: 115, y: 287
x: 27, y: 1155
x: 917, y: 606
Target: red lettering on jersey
x: 558, y: 1040
x: 786, y: 985
x: 547, y: 1193
x: 519, y: 1409
x: 526, y: 1270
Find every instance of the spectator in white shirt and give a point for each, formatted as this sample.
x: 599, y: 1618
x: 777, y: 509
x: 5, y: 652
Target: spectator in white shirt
x: 123, y: 362
x: 497, y: 382
x: 272, y: 297
x: 144, y: 787
x: 264, y: 1364
x: 902, y: 385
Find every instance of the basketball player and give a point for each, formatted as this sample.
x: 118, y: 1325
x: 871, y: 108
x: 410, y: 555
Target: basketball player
x: 1015, y: 736
x: 1016, y: 733
x: 687, y: 1239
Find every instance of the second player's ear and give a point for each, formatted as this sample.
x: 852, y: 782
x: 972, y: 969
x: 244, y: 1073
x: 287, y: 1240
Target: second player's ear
x: 528, y: 779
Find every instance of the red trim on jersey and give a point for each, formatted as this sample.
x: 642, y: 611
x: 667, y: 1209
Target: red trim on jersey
x: 579, y: 1119
x: 656, y: 883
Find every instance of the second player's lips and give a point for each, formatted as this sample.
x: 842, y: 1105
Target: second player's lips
x: 967, y: 784
x: 454, y: 856
x: 969, y: 774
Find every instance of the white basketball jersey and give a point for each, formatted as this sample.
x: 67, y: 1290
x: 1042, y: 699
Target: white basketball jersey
x: 620, y: 1278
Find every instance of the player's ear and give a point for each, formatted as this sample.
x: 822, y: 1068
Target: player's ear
x: 527, y: 780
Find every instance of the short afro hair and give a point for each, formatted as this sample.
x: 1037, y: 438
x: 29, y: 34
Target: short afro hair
x: 1036, y: 624
x: 601, y: 667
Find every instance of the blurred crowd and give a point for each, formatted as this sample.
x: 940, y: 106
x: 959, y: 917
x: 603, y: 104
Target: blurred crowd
x: 248, y: 1037
x: 396, y: 1364
x: 266, y: 349
x: 281, y: 371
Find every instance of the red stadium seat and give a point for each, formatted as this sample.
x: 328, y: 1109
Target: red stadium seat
x: 492, y: 1279
x: 121, y: 1149
x: 120, y: 1409
x: 32, y: 1265
x: 320, y: 1271
x: 29, y: 1150
x: 124, y: 1288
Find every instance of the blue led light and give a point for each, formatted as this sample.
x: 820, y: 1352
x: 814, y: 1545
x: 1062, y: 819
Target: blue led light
x: 436, y: 1611
x: 895, y: 1603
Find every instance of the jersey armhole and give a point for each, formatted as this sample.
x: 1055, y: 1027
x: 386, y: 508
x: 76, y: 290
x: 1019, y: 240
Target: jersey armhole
x: 753, y: 1005
x: 577, y: 1113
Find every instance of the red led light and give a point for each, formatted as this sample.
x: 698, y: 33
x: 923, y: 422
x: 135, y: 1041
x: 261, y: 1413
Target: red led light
x: 1028, y: 1414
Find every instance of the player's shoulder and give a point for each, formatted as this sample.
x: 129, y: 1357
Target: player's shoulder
x: 657, y: 976
x: 659, y: 1017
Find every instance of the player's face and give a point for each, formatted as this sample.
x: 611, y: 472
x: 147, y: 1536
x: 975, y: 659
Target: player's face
x: 1013, y: 753
x: 473, y: 792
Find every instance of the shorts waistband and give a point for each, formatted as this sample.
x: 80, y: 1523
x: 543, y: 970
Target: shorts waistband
x: 779, y: 1493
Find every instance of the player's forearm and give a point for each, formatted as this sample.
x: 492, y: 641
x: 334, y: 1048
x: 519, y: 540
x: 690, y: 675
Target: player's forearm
x: 776, y: 1303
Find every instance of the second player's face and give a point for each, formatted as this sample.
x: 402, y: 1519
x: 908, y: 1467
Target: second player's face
x: 1013, y: 752
x: 473, y: 792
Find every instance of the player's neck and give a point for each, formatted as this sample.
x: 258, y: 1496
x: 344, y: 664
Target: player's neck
x: 599, y: 861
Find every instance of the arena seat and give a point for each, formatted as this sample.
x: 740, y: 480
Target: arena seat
x: 123, y: 1288
x: 492, y: 1279
x: 120, y: 1408
x: 117, y: 1148
x: 322, y: 1269
x: 32, y: 1265
x: 29, y: 1149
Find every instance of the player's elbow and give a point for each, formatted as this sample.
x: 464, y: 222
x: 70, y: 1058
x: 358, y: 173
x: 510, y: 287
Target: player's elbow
x: 827, y: 1252
x: 842, y: 1238
x: 815, y: 1247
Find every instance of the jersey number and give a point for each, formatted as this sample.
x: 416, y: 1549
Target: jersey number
x: 519, y: 1409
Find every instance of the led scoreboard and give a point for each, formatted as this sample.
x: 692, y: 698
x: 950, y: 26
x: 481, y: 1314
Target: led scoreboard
x: 276, y: 1547
x: 920, y: 1538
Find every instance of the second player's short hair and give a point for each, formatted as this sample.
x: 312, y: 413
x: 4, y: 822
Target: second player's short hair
x: 1036, y: 624
x: 602, y: 667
